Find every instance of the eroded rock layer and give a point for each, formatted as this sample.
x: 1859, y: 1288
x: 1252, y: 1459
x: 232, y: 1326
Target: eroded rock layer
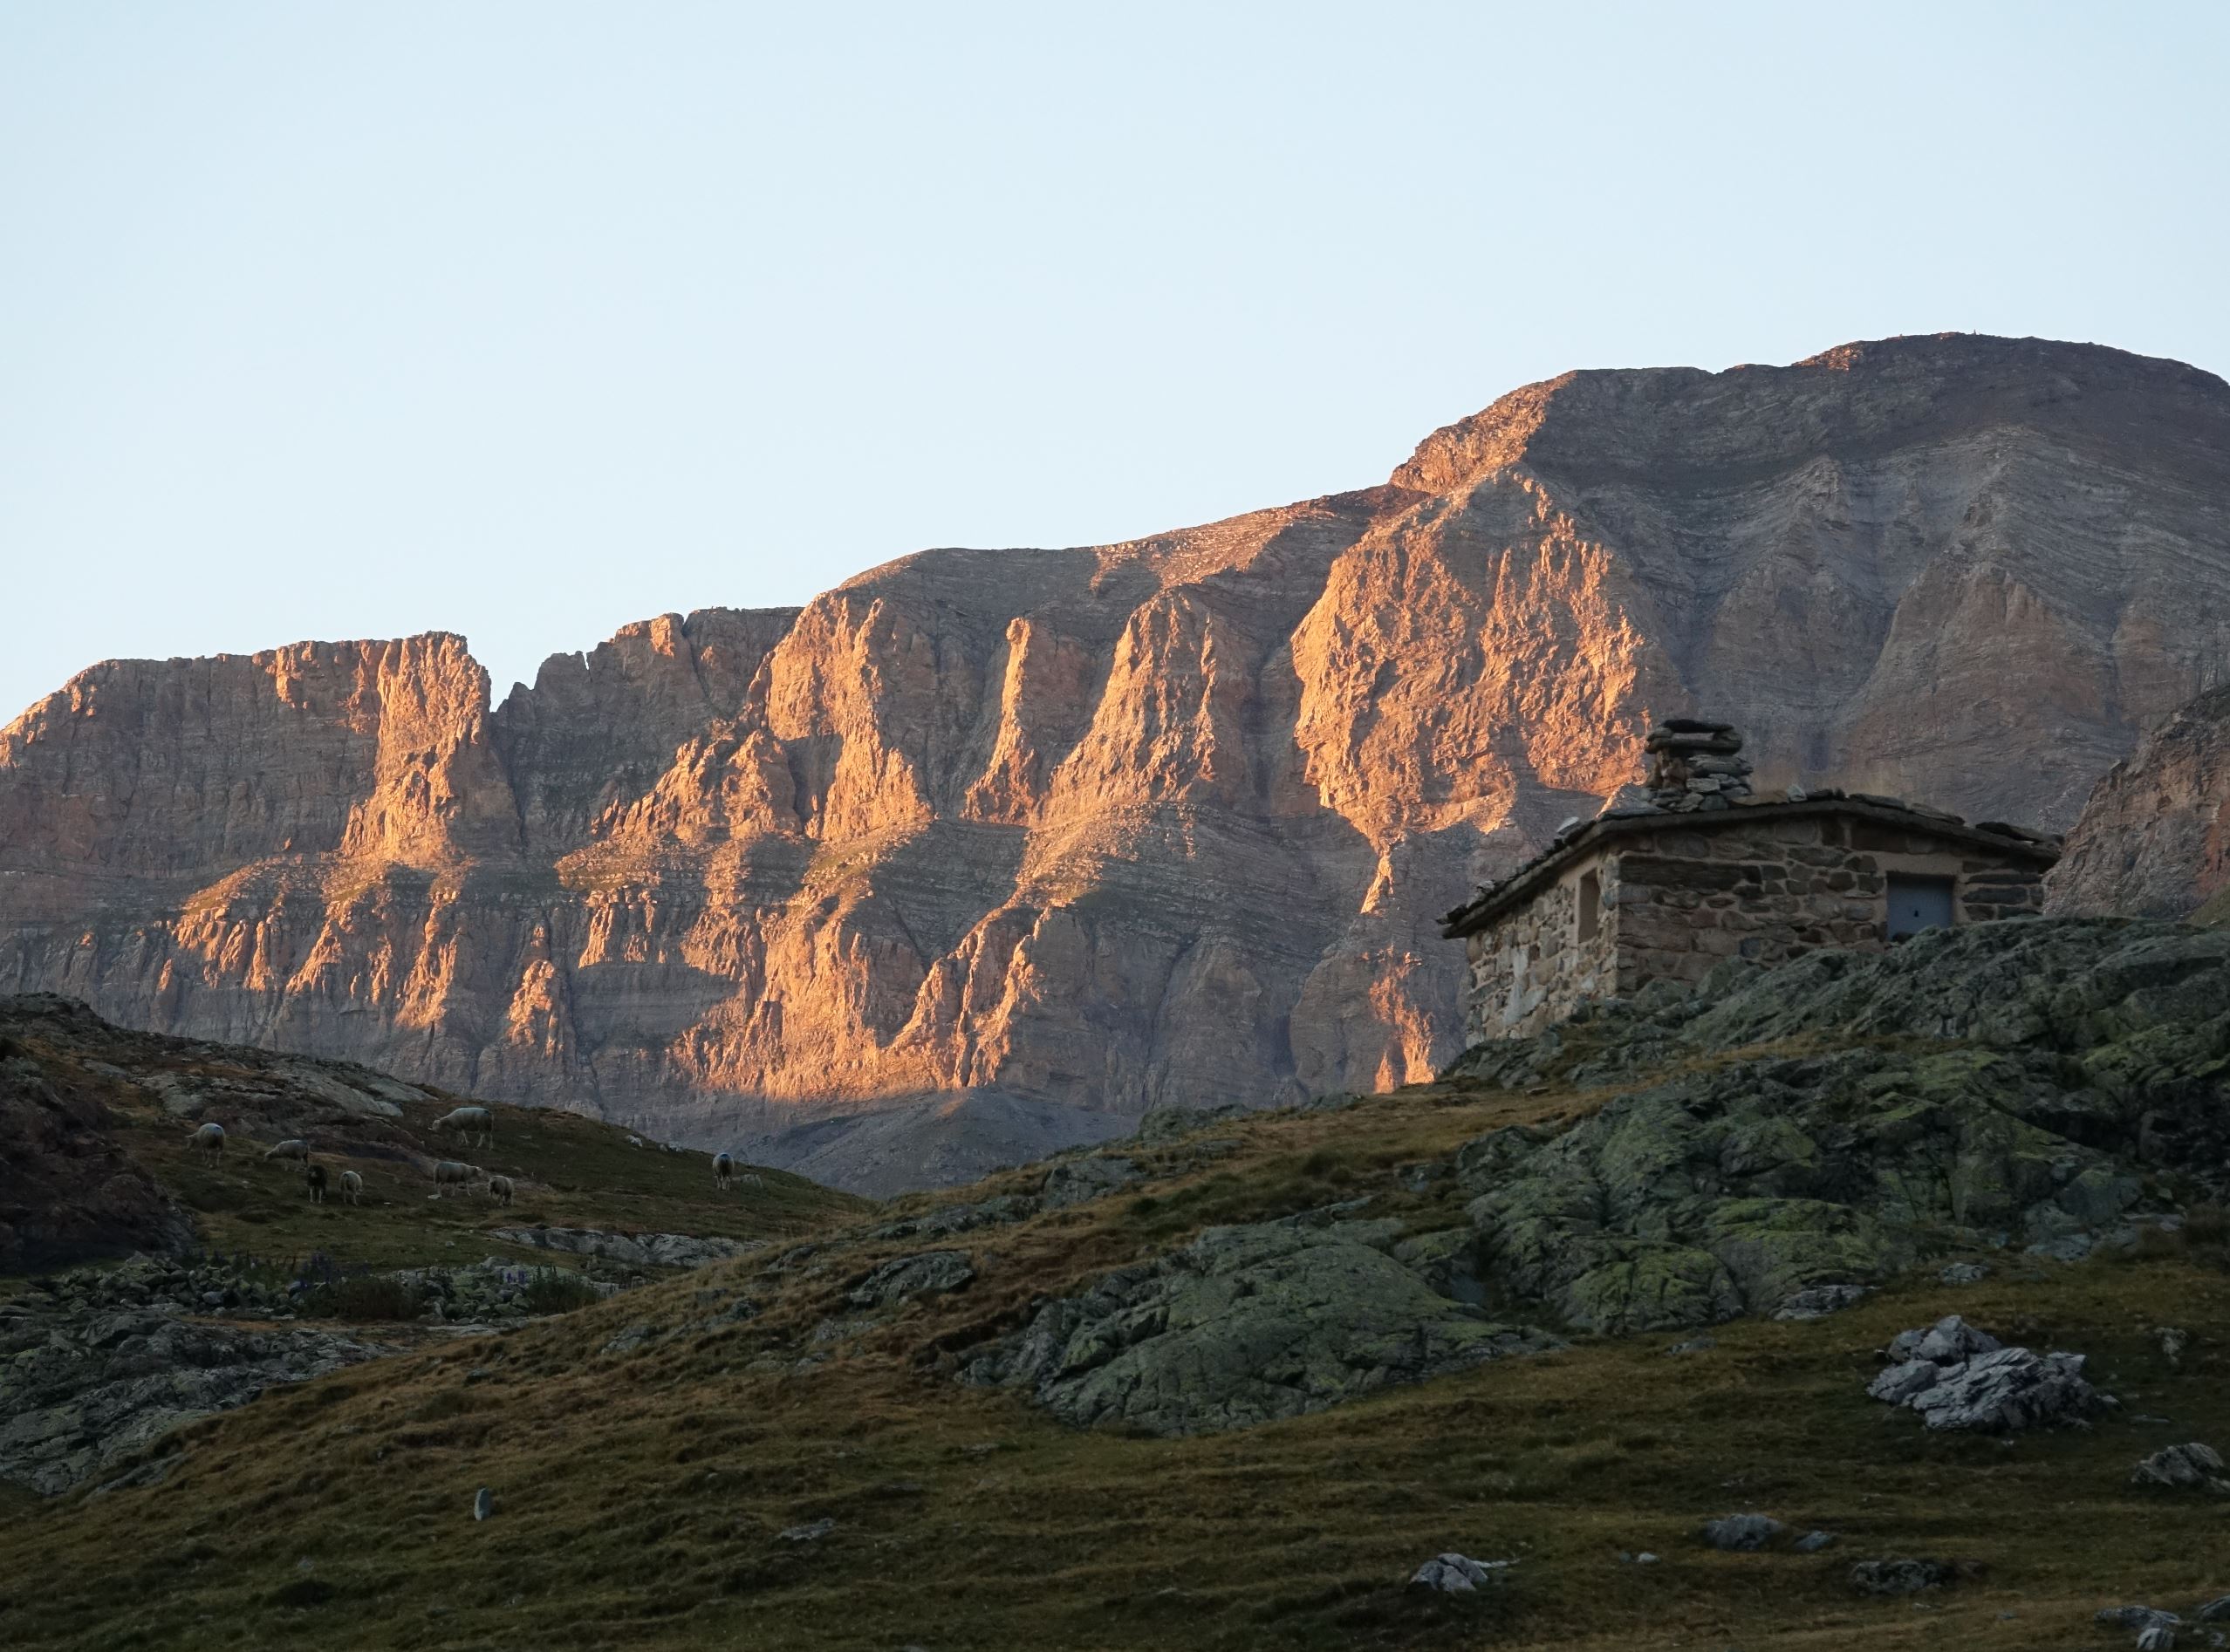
x: 987, y: 852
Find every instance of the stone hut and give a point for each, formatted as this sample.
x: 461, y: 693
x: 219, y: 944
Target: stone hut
x: 1693, y: 868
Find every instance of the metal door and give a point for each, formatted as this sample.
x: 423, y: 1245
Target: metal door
x: 1916, y: 904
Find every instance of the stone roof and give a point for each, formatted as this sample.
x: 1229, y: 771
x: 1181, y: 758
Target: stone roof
x: 1575, y: 839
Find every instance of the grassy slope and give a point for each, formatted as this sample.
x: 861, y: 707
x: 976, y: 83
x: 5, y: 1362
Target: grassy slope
x: 572, y: 1171
x: 639, y: 1497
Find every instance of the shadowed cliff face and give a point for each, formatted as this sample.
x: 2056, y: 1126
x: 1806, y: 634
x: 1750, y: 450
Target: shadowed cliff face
x: 2154, y: 839
x: 1007, y: 847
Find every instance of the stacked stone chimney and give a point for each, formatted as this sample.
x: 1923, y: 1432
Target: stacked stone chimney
x: 1695, y: 764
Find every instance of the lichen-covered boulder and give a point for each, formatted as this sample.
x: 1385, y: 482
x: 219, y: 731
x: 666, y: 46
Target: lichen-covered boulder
x: 1245, y: 1325
x: 1074, y: 1181
x: 995, y: 1212
x: 925, y: 1274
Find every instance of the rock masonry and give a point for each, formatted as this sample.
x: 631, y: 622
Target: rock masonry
x: 1693, y: 868
x: 1695, y: 765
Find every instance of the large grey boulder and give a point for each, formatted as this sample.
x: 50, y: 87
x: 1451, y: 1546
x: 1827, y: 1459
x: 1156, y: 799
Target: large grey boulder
x: 1957, y: 1377
x: 2188, y: 1467
x: 1456, y: 1574
x: 1245, y: 1325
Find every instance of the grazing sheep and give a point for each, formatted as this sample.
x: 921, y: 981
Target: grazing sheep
x: 723, y: 1172
x: 209, y: 1142
x: 317, y: 1178
x: 499, y: 1188
x: 478, y: 1125
x: 294, y: 1147
x: 447, y: 1173
x: 351, y: 1186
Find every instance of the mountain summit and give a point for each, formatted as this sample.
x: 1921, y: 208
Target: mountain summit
x: 985, y: 853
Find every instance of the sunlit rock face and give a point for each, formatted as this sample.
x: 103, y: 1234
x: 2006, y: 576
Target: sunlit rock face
x: 986, y: 852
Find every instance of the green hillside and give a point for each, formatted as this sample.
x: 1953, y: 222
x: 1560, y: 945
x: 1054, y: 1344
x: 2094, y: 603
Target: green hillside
x: 863, y: 1440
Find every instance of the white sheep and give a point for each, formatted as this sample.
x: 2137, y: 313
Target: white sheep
x: 477, y: 1125
x: 500, y: 1189
x: 294, y: 1148
x: 448, y: 1173
x: 723, y: 1172
x: 351, y: 1186
x: 209, y: 1142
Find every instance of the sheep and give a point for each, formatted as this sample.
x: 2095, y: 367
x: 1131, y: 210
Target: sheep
x: 499, y: 1188
x: 476, y: 1123
x: 723, y: 1172
x: 208, y: 1140
x: 448, y: 1173
x: 351, y: 1186
x: 294, y: 1147
x: 316, y: 1176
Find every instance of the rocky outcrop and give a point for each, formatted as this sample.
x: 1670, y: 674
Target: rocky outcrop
x: 2154, y: 839
x: 105, y: 1366
x: 635, y: 1250
x: 929, y: 1273
x: 1006, y: 848
x: 1244, y: 1326
x: 2063, y: 1066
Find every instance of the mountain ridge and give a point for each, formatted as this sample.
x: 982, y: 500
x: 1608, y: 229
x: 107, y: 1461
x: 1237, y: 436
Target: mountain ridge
x: 1069, y: 835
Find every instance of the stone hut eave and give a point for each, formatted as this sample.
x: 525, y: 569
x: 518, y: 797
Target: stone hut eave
x: 2010, y: 843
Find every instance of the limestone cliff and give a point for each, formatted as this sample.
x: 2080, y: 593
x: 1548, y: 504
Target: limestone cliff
x: 1006, y: 847
x: 2154, y: 839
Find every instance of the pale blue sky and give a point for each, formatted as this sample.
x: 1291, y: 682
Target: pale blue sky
x: 526, y: 320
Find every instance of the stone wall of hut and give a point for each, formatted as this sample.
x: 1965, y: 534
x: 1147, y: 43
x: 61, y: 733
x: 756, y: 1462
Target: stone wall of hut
x: 1530, y: 970
x: 1675, y: 904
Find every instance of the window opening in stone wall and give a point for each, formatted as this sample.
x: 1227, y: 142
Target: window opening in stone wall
x: 1591, y: 904
x: 1916, y: 904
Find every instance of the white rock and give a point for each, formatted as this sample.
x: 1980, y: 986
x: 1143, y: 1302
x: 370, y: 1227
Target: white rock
x: 1454, y: 1573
